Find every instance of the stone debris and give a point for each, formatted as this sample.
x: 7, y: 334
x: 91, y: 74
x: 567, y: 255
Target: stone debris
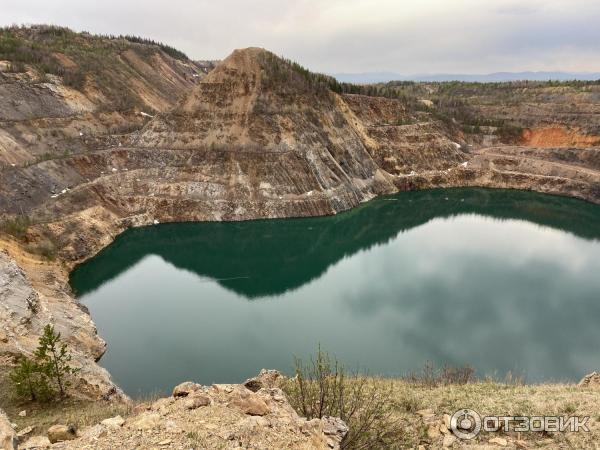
x: 114, y: 422
x: 265, y: 379
x: 35, y: 443
x: 185, y: 389
x: 248, y: 402
x: 197, y: 401
x: 220, y: 416
x: 499, y: 441
x: 8, y: 438
x: 591, y: 380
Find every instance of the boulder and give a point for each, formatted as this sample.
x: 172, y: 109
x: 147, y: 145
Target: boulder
x: 591, y: 380
x: 185, y: 389
x: 334, y: 429
x: 8, y: 438
x: 61, y: 433
x: 249, y: 402
x: 146, y: 421
x: 448, y: 441
x: 113, y: 422
x: 265, y: 379
x: 22, y: 434
x: 197, y: 401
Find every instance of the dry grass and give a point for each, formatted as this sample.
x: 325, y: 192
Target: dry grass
x: 42, y: 416
x: 497, y: 399
x: 407, y: 398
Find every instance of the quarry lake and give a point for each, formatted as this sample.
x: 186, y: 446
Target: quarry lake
x: 505, y: 281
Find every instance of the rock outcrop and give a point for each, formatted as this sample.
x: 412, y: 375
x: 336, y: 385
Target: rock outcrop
x: 8, y: 437
x: 227, y: 416
x: 592, y: 381
x: 27, y: 304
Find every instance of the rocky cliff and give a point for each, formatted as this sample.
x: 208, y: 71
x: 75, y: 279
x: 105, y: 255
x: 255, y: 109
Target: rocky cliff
x: 258, y: 137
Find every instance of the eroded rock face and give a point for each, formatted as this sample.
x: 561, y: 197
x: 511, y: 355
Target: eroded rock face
x: 185, y: 389
x: 265, y: 379
x: 25, y: 311
x: 592, y: 381
x: 227, y: 419
x: 8, y: 437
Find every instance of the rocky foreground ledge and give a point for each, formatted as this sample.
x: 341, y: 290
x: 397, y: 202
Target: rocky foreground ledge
x: 254, y: 415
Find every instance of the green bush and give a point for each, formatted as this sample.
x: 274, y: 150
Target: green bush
x: 74, y: 79
x: 54, y: 358
x: 33, y: 378
x: 16, y: 226
x: 30, y: 381
x: 431, y: 376
x: 45, y: 248
x: 324, y: 388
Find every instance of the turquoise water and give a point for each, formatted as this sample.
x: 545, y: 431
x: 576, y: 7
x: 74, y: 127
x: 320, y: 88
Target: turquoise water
x: 505, y: 281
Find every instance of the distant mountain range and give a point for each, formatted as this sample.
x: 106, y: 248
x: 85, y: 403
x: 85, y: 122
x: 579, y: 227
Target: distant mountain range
x: 381, y: 77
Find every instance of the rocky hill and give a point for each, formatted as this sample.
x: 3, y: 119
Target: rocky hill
x: 65, y: 93
x: 99, y: 134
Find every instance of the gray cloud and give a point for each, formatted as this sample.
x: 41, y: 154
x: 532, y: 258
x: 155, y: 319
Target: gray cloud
x: 352, y: 35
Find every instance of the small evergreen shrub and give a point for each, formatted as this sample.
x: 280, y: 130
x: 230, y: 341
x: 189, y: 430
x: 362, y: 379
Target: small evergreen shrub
x: 33, y: 379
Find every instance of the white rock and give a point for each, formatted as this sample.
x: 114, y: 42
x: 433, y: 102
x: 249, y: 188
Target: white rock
x: 499, y: 441
x: 114, y: 422
x: 36, y: 442
x: 8, y: 439
x: 61, y: 433
x: 146, y: 421
x: 24, y: 432
x: 448, y: 441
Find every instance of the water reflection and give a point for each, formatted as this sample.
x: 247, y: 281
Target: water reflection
x: 503, y: 280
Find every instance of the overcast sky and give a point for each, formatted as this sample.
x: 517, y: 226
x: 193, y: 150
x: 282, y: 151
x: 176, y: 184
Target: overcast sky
x: 403, y: 36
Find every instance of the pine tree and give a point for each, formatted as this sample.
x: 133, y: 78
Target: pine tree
x: 30, y: 382
x: 54, y: 358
